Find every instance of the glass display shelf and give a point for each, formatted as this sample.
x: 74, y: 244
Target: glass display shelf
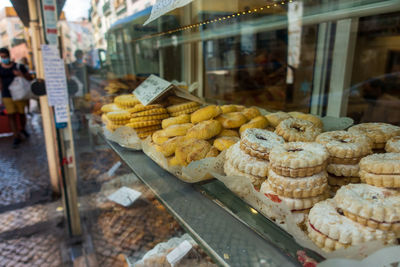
x: 232, y: 232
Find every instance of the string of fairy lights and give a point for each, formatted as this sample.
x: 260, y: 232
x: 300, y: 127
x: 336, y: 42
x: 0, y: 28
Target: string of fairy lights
x: 272, y: 5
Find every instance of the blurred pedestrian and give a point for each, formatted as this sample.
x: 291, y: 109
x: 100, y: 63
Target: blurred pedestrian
x: 8, y: 71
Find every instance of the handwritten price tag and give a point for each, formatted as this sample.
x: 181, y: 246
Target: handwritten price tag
x: 162, y: 7
x: 151, y: 89
x: 125, y: 196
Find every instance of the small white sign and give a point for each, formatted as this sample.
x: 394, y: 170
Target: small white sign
x: 179, y: 252
x: 151, y: 89
x: 61, y: 113
x: 125, y: 196
x: 162, y: 7
x: 50, y: 20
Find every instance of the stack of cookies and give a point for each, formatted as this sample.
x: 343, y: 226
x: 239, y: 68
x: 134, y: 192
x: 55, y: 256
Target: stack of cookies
x: 378, y: 132
x: 126, y: 101
x: 357, y: 214
x: 346, y: 149
x: 297, y: 175
x: 250, y: 157
x: 183, y: 108
x: 381, y: 170
x: 115, y: 119
x: 145, y: 120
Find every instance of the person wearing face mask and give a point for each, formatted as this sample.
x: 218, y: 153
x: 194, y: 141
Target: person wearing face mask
x: 8, y: 71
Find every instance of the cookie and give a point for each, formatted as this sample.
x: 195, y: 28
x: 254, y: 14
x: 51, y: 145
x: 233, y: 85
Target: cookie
x: 231, y: 170
x: 155, y: 111
x: 259, y: 122
x: 126, y: 101
x: 231, y: 120
x: 185, y: 111
x: 143, y: 135
x: 345, y: 145
x: 226, y: 132
x: 246, y: 163
x: 298, y: 159
x: 393, y: 145
x: 168, y: 147
x: 379, y: 132
x: 388, y: 163
x: 191, y: 150
x: 225, y: 142
x: 176, y: 130
x: 214, y: 152
x: 258, y: 143
x: 141, y: 107
x: 147, y: 129
x: 308, y: 117
x: 205, y: 130
x: 297, y: 130
x: 228, y: 108
x: 158, y: 137
x: 275, y: 118
x: 343, y: 170
x: 121, y: 115
x: 380, y: 180
x: 184, y: 118
x: 141, y: 124
x: 206, y: 113
x: 375, y: 207
x: 251, y: 113
x: 110, y: 108
x: 150, y: 118
x: 294, y: 204
x: 331, y: 230
x: 181, y: 107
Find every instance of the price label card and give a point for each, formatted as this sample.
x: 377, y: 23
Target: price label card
x: 125, y: 196
x: 152, y: 88
x: 179, y: 252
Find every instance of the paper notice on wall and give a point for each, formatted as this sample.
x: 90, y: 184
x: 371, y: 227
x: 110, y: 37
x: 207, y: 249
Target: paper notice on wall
x: 295, y: 15
x: 49, y: 8
x: 61, y: 113
x: 55, y: 78
x: 162, y: 7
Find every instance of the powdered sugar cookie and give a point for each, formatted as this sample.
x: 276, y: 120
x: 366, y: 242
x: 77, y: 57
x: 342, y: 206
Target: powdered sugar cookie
x: 343, y: 170
x: 375, y: 207
x: 345, y: 145
x: 233, y: 171
x: 298, y: 187
x: 380, y: 180
x: 258, y: 143
x: 246, y: 163
x: 294, y: 204
x: 393, y: 145
x: 297, y: 130
x: 388, y: 163
x: 330, y: 230
x: 379, y: 132
x: 298, y: 159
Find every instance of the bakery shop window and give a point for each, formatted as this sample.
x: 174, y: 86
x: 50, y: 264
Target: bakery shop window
x: 375, y: 90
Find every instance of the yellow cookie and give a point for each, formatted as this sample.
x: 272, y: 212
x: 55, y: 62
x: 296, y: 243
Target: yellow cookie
x: 212, y: 153
x: 232, y: 120
x: 126, y: 101
x: 275, y: 118
x: 158, y: 137
x: 225, y: 142
x: 226, y: 132
x: 184, y: 118
x: 177, y: 130
x: 120, y: 122
x: 155, y: 111
x: 251, y: 113
x: 205, y: 130
x: 186, y: 111
x: 228, y: 108
x: 140, y: 107
x: 240, y: 107
x: 150, y: 118
x: 121, y: 115
x: 168, y: 147
x: 173, y: 161
x: 205, y: 113
x: 110, y: 108
x: 141, y: 124
x: 191, y: 150
x: 145, y: 134
x: 259, y: 122
x: 181, y: 107
x: 147, y: 129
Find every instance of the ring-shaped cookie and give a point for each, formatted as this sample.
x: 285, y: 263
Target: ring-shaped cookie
x: 232, y: 120
x: 343, y: 144
x: 393, y: 145
x: 204, y: 130
x: 331, y: 230
x: 258, y: 142
x: 375, y: 207
x: 298, y: 159
x: 297, y: 130
x: 379, y: 132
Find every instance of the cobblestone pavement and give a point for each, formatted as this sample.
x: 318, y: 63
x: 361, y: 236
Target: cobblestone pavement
x: 31, y: 230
